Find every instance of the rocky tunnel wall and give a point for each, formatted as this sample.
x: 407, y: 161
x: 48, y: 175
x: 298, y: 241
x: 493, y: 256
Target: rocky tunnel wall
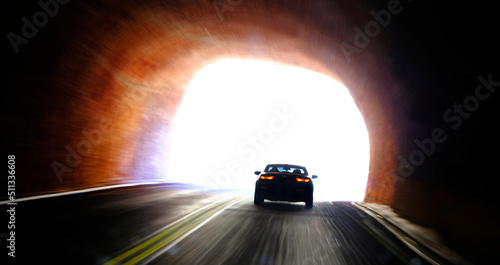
x: 92, y: 94
x: 117, y: 73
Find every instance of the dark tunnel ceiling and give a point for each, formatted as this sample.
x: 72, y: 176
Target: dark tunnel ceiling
x: 116, y: 61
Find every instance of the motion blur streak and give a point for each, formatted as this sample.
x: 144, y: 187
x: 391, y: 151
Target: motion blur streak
x: 169, y: 224
x: 232, y: 113
x: 107, y: 106
x: 91, y: 100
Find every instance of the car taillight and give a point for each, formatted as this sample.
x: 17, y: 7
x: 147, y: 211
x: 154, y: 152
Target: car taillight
x: 302, y: 180
x: 266, y: 177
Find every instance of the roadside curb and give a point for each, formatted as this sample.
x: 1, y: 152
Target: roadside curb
x: 430, y: 253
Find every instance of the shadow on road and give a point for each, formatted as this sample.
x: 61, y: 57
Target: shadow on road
x: 283, y: 206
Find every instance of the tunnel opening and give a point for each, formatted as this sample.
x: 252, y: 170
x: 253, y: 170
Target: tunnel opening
x: 238, y: 115
x: 138, y: 73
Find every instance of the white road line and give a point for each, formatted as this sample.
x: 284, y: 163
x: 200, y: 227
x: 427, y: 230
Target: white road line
x: 179, y: 239
x: 51, y: 195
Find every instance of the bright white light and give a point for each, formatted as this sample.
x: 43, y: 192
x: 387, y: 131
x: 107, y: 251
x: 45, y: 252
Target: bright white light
x: 239, y: 115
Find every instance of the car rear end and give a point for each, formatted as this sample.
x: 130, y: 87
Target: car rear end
x: 283, y: 187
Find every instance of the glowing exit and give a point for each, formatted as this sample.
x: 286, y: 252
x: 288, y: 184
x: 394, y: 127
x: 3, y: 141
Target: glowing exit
x: 237, y: 116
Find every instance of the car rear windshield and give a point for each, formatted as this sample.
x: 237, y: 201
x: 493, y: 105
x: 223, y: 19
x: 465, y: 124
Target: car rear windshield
x: 286, y: 169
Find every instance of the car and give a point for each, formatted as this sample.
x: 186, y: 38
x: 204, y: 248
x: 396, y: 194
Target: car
x: 283, y: 182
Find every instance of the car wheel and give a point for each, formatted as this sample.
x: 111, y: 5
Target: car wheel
x: 258, y: 199
x: 309, y: 203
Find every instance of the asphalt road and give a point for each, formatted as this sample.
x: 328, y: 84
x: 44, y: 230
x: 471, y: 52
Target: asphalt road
x: 171, y: 224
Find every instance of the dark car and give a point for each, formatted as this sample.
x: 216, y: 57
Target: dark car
x: 283, y: 182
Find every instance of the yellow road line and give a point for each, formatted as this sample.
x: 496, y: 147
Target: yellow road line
x: 180, y: 228
x: 151, y: 240
x: 181, y: 237
x: 163, y: 243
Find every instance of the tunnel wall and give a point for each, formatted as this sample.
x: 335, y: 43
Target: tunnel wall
x: 122, y: 70
x: 95, y: 91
